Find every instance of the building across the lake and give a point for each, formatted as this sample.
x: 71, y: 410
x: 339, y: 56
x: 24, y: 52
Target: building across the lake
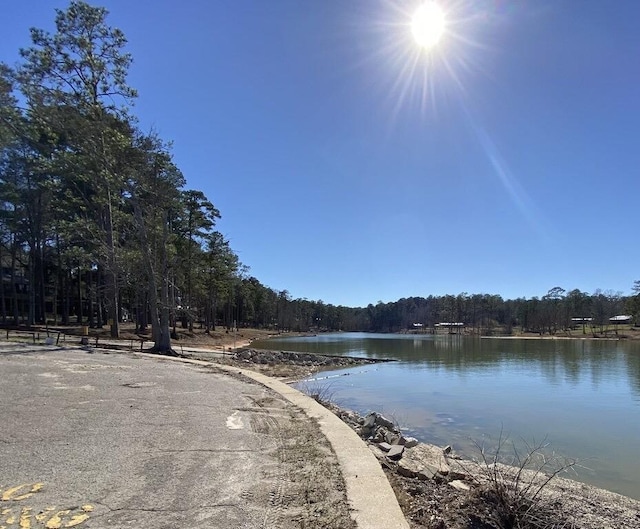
x: 621, y: 319
x: 451, y: 327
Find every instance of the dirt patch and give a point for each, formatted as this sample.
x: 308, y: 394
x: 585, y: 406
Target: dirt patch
x: 306, y: 488
x: 315, y: 484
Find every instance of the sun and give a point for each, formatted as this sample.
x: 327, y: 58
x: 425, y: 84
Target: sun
x: 428, y: 24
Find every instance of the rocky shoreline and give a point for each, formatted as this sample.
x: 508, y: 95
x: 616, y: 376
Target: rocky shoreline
x: 286, y: 365
x: 439, y: 490
x: 258, y: 356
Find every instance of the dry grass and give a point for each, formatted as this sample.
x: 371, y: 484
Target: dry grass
x: 512, y: 483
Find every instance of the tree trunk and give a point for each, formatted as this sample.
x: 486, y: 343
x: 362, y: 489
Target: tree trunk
x: 91, y: 298
x: 65, y: 287
x: 80, y: 309
x: 111, y: 278
x: 4, y: 302
x: 164, y: 342
x: 159, y: 307
x: 32, y: 287
x: 14, y: 286
x: 41, y: 314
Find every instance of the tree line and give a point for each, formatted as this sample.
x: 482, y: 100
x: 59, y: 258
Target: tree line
x: 95, y: 222
x: 556, y: 311
x: 97, y: 226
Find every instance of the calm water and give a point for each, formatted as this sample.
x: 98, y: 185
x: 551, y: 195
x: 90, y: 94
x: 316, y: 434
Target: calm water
x: 584, y: 396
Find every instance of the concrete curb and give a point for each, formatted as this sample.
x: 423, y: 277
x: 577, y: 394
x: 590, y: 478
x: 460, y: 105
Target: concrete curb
x: 370, y: 496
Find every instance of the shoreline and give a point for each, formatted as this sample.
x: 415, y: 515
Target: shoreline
x: 294, y: 367
x: 545, y: 337
x: 437, y: 488
x: 463, y: 487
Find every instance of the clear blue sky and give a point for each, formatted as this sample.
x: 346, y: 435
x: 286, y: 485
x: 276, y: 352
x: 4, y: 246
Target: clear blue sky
x: 352, y: 167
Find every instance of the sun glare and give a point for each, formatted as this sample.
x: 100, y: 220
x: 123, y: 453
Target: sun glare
x: 428, y: 25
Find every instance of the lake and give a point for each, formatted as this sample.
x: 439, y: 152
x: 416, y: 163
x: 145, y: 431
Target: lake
x: 583, y: 396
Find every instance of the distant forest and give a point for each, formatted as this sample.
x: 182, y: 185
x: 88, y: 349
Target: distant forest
x: 97, y: 227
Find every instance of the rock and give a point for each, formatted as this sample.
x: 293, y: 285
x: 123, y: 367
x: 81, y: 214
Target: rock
x: 409, y: 442
x: 427, y: 460
x: 380, y: 455
x: 384, y: 446
x: 391, y: 438
x: 365, y: 432
x: 370, y: 420
x: 460, y: 485
x: 395, y: 452
x: 383, y: 421
x: 447, y: 449
x: 424, y: 472
x: 457, y: 470
x: 379, y: 437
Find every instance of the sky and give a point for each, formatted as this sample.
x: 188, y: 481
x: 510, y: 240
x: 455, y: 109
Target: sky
x: 352, y: 166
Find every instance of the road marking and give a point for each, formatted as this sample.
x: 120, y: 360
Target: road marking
x: 42, y: 517
x: 25, y: 518
x: 234, y: 421
x: 55, y: 522
x: 77, y: 519
x: 9, y: 494
x: 49, y: 516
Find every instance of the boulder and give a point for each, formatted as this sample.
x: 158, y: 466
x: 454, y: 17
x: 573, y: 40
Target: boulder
x: 391, y: 438
x: 383, y: 421
x: 424, y: 461
x: 375, y: 450
x: 408, y: 442
x: 370, y: 420
x: 365, y: 432
x: 424, y: 472
x: 384, y: 446
x: 395, y: 452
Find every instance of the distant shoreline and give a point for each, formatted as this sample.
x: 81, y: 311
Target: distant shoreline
x: 547, y: 337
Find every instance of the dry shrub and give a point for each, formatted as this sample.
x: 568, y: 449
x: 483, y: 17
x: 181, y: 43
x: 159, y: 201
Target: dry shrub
x: 319, y: 390
x: 512, y: 485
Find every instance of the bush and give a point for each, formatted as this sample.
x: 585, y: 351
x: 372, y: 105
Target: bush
x: 513, y: 485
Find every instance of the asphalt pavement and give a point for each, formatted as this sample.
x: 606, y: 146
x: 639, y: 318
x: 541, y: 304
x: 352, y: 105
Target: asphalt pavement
x: 98, y: 438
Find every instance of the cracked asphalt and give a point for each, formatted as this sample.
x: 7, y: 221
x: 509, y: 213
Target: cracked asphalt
x: 110, y: 439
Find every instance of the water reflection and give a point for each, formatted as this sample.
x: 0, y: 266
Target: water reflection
x: 558, y: 361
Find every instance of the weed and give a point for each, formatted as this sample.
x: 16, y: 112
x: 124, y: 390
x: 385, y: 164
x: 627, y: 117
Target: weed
x: 321, y: 391
x: 513, y: 484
